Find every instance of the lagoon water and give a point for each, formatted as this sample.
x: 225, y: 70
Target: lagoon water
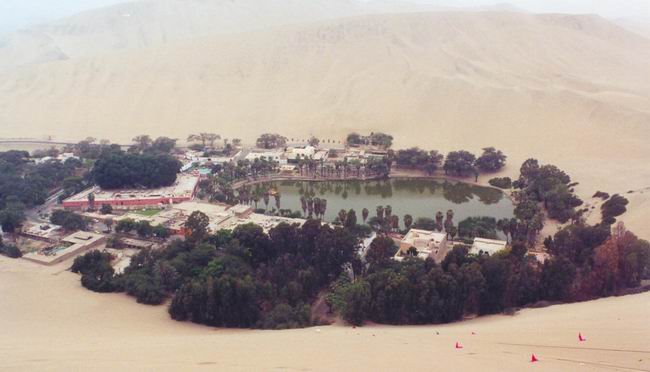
x: 417, y: 197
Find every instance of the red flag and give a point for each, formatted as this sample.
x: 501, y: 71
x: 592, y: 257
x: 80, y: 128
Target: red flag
x: 580, y: 338
x: 533, y: 358
x: 458, y: 345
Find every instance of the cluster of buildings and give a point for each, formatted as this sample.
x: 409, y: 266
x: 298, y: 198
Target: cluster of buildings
x: 184, y: 189
x: 171, y: 206
x: 286, y: 156
x: 430, y: 244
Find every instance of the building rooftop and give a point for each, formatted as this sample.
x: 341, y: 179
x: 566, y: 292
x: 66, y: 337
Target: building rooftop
x: 488, y: 246
x: 423, y: 238
x: 183, y: 187
x: 426, y: 242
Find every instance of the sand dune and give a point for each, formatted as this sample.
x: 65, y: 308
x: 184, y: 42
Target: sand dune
x: 150, y: 23
x: 54, y: 324
x: 571, y: 90
x: 639, y: 25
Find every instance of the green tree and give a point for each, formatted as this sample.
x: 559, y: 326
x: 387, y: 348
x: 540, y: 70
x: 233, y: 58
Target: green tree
x: 196, y: 226
x: 491, y: 160
x: 460, y: 163
x: 364, y: 214
x: 408, y: 221
x: 381, y: 251
x: 357, y: 298
x: 271, y: 141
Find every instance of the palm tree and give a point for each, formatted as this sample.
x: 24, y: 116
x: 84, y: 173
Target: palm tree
x: 439, y: 218
x: 303, y: 204
x: 210, y: 137
x: 449, y: 221
x: 395, y: 222
x: 277, y: 199
x: 380, y: 212
x: 310, y: 206
x: 408, y: 221
x: 91, y: 201
x: 450, y: 215
x: 453, y: 230
x: 342, y: 216
x: 504, y: 225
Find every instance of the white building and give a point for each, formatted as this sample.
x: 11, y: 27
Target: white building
x: 271, y: 155
x: 294, y: 153
x: 427, y: 243
x: 61, y: 157
x: 487, y: 246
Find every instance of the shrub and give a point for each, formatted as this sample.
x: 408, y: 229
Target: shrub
x: 501, y: 182
x: 612, y: 208
x: 10, y: 251
x: 602, y: 195
x: 96, y: 271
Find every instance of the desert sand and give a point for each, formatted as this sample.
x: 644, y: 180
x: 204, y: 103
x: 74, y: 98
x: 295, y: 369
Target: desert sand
x: 49, y: 322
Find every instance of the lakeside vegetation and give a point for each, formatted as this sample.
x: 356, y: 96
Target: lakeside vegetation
x: 247, y: 278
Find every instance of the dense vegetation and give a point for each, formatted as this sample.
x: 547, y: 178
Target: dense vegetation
x: 24, y: 184
x: 243, y: 278
x: 96, y: 271
x: 551, y: 186
x: 122, y: 170
x: 460, y: 163
x: 414, y: 158
x: 249, y: 278
x: 481, y: 227
x: 587, y: 262
x: 68, y: 220
x: 491, y: 160
x: 142, y: 228
x: 271, y: 141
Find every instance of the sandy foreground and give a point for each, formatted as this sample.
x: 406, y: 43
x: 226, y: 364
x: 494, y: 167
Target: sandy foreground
x: 49, y: 322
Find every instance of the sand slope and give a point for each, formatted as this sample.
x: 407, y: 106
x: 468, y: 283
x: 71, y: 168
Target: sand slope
x: 149, y: 23
x: 49, y: 322
x: 571, y: 90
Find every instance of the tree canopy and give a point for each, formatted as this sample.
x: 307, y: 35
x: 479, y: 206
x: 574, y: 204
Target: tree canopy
x: 120, y: 170
x: 271, y: 141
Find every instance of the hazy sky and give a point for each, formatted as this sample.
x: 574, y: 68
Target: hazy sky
x: 15, y: 14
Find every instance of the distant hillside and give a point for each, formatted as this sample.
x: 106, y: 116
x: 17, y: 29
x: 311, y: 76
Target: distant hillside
x: 142, y: 24
x: 639, y: 25
x: 572, y: 90
x: 370, y: 71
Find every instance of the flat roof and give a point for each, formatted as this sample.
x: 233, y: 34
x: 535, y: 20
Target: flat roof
x: 415, y: 234
x: 183, y: 187
x: 489, y: 246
